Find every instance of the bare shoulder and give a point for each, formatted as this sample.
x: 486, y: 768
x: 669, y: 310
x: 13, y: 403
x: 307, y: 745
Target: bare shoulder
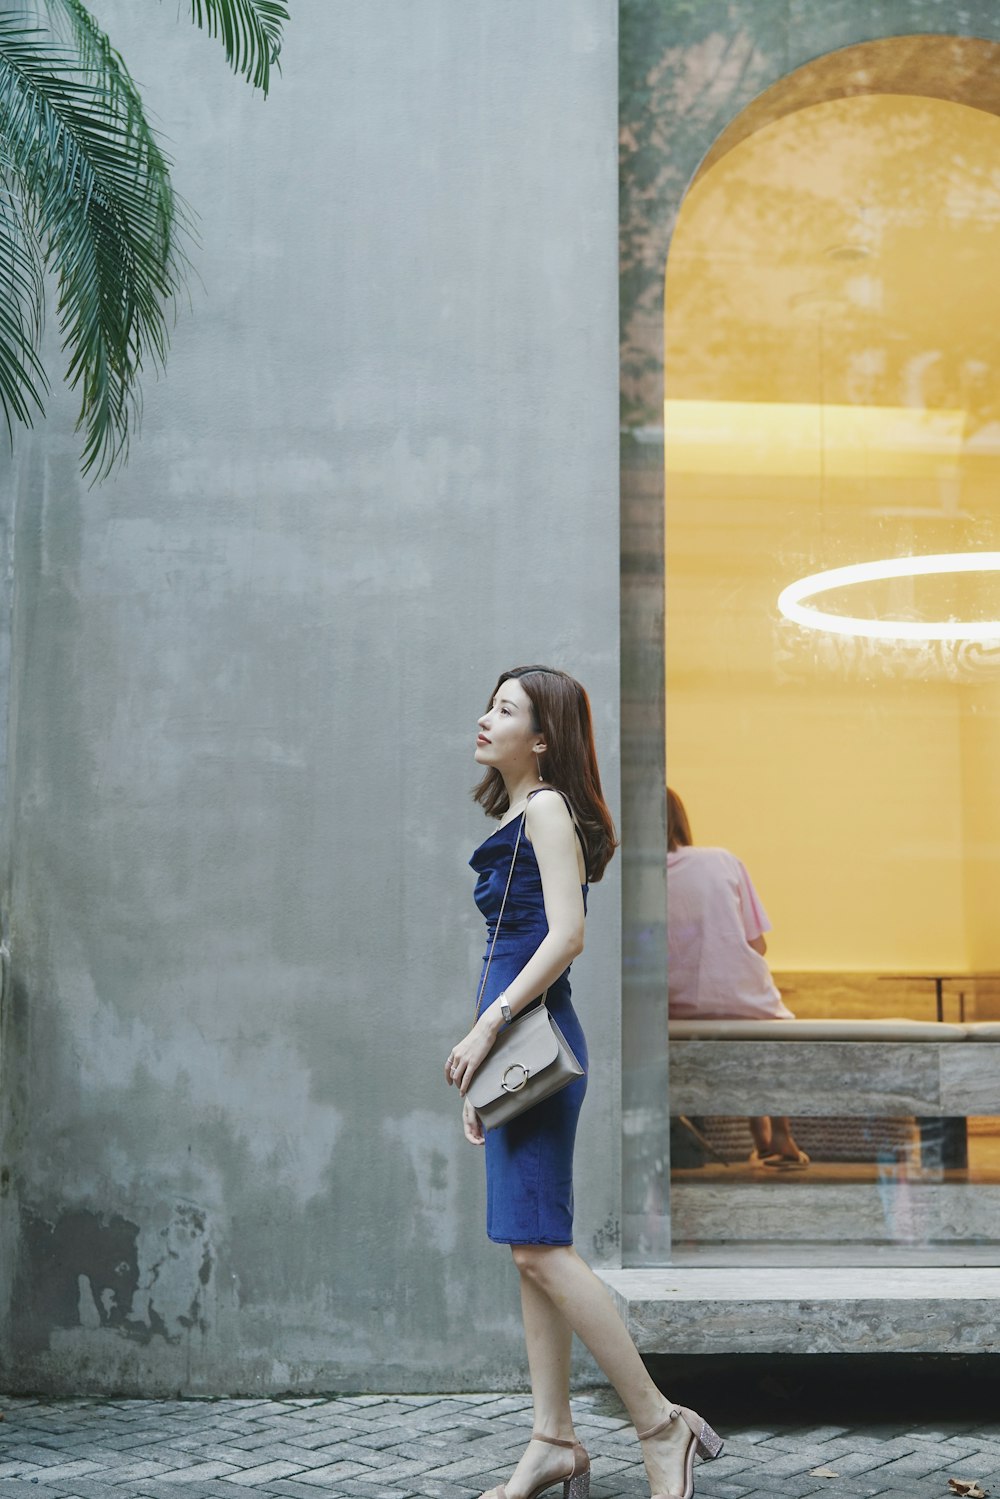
x: 548, y: 815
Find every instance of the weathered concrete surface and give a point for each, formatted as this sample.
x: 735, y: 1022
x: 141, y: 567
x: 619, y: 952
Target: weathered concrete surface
x: 885, y: 1210
x: 245, y: 675
x: 819, y: 1309
x: 847, y: 1079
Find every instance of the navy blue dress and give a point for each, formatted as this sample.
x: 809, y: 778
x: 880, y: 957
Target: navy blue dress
x: 529, y: 1161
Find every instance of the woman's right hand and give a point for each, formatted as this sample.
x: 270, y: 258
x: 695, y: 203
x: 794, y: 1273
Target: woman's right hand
x: 471, y: 1124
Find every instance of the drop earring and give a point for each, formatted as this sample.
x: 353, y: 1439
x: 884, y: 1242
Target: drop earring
x: 538, y: 763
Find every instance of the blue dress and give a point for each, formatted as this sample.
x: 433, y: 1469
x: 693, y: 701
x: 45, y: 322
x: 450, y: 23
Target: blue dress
x: 529, y: 1161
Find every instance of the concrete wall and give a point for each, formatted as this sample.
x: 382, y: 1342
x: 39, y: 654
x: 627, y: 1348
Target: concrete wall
x: 244, y: 680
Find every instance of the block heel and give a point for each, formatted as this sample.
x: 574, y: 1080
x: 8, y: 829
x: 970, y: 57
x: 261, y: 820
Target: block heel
x: 578, y: 1487
x: 709, y: 1443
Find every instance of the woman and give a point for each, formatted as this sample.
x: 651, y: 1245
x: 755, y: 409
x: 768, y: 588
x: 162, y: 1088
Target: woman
x: 536, y: 744
x: 715, y: 958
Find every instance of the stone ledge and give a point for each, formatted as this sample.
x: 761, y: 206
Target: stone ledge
x: 765, y: 1075
x: 833, y: 1030
x: 809, y: 1310
x: 793, y: 1210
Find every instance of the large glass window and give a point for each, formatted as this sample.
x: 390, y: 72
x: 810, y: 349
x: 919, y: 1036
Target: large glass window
x: 832, y: 384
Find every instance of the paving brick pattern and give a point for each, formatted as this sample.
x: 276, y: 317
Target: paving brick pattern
x: 439, y: 1447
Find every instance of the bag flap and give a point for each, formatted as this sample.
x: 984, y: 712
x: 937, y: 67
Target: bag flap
x: 524, y: 1049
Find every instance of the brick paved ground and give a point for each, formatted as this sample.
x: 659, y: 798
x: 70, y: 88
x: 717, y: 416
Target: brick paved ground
x: 438, y: 1447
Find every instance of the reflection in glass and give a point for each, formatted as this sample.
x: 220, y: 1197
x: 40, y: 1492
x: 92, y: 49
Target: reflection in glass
x: 832, y: 384
x: 879, y: 1181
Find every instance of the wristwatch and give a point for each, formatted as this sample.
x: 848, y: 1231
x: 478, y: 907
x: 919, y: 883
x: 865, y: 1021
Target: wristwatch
x: 504, y: 1008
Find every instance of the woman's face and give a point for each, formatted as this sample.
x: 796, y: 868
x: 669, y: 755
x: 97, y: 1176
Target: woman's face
x: 507, y: 737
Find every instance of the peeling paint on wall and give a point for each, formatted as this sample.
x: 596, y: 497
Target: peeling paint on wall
x: 81, y: 1254
x: 94, y: 1271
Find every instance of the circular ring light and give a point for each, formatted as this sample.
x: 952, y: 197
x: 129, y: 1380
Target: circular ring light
x: 790, y: 600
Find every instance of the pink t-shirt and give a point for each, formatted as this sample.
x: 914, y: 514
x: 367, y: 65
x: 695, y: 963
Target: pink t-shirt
x: 713, y: 912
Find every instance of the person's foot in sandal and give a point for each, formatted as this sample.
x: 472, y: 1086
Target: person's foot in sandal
x: 780, y: 1162
x: 774, y: 1147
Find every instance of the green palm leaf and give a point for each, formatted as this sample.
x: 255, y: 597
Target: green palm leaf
x: 97, y: 198
x: 85, y: 194
x: 22, y: 379
x: 250, y: 32
x: 72, y: 23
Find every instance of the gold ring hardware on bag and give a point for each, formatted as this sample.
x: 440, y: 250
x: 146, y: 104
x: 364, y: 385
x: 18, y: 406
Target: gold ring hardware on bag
x: 514, y: 1087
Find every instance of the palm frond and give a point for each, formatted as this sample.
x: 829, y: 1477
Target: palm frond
x: 72, y: 22
x: 98, y: 198
x: 250, y: 32
x: 22, y: 378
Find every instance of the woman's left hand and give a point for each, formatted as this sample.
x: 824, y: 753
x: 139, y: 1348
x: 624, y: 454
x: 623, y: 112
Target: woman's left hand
x: 467, y: 1056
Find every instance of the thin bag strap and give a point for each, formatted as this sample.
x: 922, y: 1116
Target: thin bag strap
x: 503, y: 904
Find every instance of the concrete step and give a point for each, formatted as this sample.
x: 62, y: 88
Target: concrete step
x: 814, y: 1309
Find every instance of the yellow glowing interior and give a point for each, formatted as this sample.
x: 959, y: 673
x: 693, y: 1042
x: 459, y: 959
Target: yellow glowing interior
x: 807, y: 439
x: 833, y: 396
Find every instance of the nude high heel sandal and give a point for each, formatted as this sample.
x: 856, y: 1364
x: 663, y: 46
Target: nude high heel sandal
x: 703, y: 1440
x: 575, y: 1486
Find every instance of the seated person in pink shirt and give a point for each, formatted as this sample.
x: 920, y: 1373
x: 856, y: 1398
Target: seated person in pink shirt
x: 715, y: 957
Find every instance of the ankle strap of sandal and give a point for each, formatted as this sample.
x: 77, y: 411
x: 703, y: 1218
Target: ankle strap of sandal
x: 654, y: 1431
x: 536, y: 1436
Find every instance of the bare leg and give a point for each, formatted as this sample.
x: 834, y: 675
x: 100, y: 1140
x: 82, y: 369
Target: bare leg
x: 559, y: 1276
x: 781, y: 1138
x: 548, y: 1337
x: 773, y: 1143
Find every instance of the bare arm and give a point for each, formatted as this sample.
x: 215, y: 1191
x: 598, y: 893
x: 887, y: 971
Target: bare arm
x: 554, y: 840
x: 759, y: 944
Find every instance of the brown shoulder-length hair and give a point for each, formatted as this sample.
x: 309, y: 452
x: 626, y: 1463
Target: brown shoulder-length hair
x: 678, y: 827
x: 561, y: 713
